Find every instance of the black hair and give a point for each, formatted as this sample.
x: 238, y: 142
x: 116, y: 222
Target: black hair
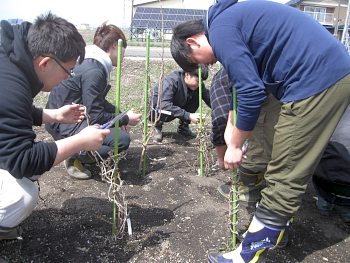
x: 107, y: 35
x: 51, y: 35
x: 180, y: 50
x: 204, y: 72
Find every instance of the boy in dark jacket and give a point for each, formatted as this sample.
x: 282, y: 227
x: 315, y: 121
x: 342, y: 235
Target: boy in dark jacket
x: 89, y: 87
x: 34, y: 58
x: 267, y: 45
x: 332, y: 175
x: 179, y: 99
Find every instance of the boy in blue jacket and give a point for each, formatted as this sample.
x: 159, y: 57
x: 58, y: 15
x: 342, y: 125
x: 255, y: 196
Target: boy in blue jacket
x: 267, y: 45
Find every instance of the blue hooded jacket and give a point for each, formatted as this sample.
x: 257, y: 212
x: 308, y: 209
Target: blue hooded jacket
x: 264, y: 44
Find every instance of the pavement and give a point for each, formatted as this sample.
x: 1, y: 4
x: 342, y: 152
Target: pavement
x: 139, y: 53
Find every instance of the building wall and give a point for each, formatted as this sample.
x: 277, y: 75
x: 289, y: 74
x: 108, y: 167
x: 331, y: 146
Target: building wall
x: 331, y: 8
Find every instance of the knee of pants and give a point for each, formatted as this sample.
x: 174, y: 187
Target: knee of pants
x: 161, y: 117
x: 123, y: 144
x: 31, y: 194
x: 18, y: 201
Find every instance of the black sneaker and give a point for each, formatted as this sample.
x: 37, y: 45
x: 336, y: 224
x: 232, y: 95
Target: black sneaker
x: 324, y: 206
x: 11, y: 233
x: 158, y: 136
x: 185, y: 131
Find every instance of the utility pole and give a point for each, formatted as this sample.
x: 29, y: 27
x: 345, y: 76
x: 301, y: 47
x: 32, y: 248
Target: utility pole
x: 124, y: 22
x: 337, y: 22
x: 132, y: 9
x: 345, y: 37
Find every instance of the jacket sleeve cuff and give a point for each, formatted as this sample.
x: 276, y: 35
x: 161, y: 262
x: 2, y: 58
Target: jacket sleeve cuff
x: 124, y: 121
x: 187, y: 115
x: 37, y: 114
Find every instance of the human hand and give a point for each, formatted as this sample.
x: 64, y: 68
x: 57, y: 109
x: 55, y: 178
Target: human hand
x: 92, y: 137
x: 70, y: 114
x: 134, y: 117
x: 125, y: 128
x: 195, y: 117
x: 233, y: 158
x: 221, y: 164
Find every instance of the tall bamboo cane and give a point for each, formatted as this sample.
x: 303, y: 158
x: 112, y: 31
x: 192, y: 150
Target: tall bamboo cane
x: 120, y: 44
x: 145, y: 105
x: 200, y: 116
x: 234, y: 179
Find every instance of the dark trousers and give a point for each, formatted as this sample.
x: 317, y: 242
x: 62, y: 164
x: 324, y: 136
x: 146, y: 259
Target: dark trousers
x: 108, y: 142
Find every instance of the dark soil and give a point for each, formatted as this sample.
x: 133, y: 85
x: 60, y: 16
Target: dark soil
x: 176, y: 215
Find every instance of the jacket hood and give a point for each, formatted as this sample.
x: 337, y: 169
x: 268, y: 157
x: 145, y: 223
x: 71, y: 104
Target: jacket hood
x: 101, y: 56
x: 214, y: 11
x: 14, y: 42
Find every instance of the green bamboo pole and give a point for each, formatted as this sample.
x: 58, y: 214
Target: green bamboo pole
x: 200, y: 115
x: 117, y: 99
x: 145, y: 105
x: 234, y: 179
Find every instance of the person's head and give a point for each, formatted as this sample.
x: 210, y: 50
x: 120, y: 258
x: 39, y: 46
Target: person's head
x: 189, y: 46
x: 192, y: 78
x: 106, y: 38
x: 54, y: 45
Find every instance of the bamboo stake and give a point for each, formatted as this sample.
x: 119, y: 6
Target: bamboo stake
x: 145, y: 106
x: 234, y: 179
x: 120, y: 45
x: 200, y: 116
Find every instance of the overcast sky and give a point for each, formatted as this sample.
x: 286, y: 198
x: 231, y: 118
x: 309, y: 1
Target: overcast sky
x: 75, y: 11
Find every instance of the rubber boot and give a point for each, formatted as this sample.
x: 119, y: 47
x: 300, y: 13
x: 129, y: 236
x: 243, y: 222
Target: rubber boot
x: 251, y: 185
x: 158, y: 136
x: 184, y: 130
x: 265, y: 231
x: 249, y: 190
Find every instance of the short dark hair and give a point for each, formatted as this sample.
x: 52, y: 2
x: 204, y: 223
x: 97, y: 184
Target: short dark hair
x: 204, y: 72
x: 55, y: 36
x: 180, y: 50
x: 107, y: 35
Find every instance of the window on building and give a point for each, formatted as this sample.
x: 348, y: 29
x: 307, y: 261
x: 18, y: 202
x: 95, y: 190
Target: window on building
x: 317, y: 13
